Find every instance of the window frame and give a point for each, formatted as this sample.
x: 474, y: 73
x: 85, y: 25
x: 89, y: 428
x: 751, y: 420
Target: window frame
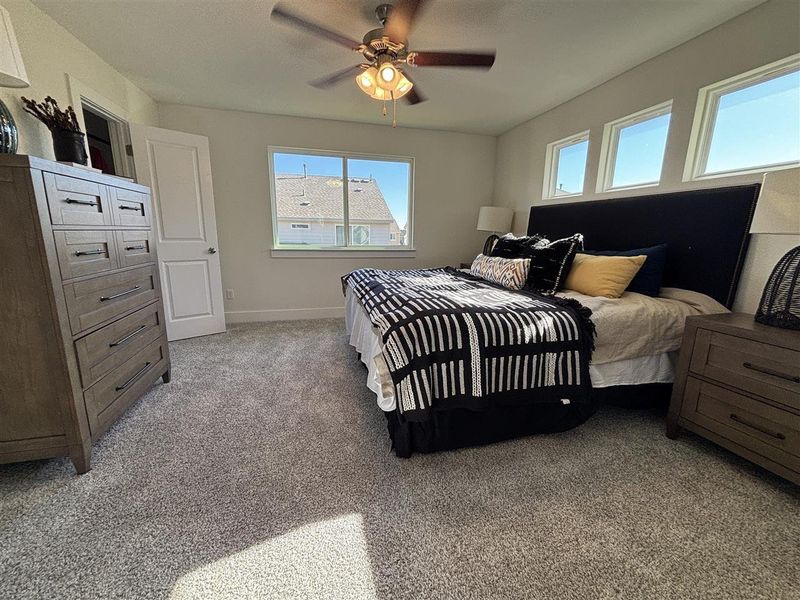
x: 705, y: 119
x: 610, y: 145
x: 551, y: 165
x: 279, y: 249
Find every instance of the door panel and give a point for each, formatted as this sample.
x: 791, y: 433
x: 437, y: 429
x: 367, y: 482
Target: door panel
x: 191, y: 277
x: 177, y: 168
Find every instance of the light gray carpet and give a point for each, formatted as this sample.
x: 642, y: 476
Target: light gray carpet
x: 263, y: 470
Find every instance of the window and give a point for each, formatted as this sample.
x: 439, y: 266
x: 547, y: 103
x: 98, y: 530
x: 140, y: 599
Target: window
x: 565, y: 166
x: 747, y: 124
x: 359, y: 235
x: 633, y: 149
x: 313, y: 209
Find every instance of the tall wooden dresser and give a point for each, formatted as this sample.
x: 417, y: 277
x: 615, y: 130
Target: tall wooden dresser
x: 82, y: 331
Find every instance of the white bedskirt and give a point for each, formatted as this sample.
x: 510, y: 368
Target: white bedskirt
x: 366, y: 340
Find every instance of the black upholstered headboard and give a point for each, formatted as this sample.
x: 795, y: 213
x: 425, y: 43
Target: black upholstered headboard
x: 706, y: 232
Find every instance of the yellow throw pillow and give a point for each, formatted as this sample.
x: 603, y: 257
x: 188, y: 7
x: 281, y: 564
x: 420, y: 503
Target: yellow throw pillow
x: 602, y: 275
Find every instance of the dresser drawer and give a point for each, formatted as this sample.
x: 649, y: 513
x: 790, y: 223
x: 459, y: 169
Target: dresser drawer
x: 107, y: 399
x: 135, y: 247
x: 762, y: 428
x: 131, y: 209
x: 107, y: 348
x: 770, y: 371
x: 94, y: 301
x: 76, y: 202
x: 85, y: 252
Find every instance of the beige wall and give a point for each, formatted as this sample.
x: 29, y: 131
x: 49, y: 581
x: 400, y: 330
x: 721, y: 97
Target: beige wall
x: 453, y: 177
x: 49, y: 53
x: 767, y: 33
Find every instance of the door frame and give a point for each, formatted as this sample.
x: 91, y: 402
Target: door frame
x: 82, y: 95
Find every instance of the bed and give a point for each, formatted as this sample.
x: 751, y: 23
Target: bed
x: 706, y: 234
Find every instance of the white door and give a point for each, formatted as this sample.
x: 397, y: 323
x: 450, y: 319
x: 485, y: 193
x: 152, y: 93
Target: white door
x: 177, y: 168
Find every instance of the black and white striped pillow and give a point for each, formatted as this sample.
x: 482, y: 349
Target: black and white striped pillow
x: 511, y: 273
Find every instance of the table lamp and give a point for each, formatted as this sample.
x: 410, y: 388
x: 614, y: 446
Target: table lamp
x: 778, y: 212
x: 494, y: 219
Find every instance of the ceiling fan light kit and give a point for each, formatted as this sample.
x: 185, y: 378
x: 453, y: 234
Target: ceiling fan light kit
x: 386, y: 50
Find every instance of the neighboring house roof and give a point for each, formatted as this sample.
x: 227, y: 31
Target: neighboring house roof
x: 320, y: 197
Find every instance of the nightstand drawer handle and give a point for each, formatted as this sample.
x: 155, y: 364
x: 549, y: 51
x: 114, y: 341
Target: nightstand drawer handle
x: 90, y: 252
x: 766, y: 371
x: 775, y: 434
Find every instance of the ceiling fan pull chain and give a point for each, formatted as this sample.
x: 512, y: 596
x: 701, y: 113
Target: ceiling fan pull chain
x: 394, y: 111
x: 384, y: 107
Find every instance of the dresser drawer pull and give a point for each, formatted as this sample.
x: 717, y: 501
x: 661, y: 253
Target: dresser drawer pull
x: 775, y: 434
x: 122, y: 340
x: 125, y: 293
x: 126, y: 207
x: 90, y: 252
x: 135, y: 247
x: 83, y: 202
x: 766, y: 371
x: 136, y: 376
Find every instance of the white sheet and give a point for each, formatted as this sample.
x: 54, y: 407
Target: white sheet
x: 658, y: 368
x: 636, y: 325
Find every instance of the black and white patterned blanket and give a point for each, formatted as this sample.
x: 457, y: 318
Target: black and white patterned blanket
x: 453, y: 340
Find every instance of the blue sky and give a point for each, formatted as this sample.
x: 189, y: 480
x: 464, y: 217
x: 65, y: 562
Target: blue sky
x: 392, y: 177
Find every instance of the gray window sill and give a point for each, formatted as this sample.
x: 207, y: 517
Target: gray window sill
x: 343, y: 253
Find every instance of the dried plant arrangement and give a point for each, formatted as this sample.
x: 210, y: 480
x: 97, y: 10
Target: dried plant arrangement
x: 49, y: 113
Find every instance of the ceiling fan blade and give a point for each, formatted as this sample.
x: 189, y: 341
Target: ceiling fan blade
x: 414, y: 96
x: 338, y: 77
x: 401, y: 19
x: 482, y: 60
x: 281, y: 14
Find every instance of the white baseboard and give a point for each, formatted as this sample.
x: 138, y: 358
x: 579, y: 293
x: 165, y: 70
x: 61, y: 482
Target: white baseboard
x: 283, y: 314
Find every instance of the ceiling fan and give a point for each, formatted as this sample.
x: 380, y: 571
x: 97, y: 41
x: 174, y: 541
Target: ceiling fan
x: 386, y: 53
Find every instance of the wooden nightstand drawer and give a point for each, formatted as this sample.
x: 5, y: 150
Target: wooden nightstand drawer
x: 771, y: 432
x: 769, y: 371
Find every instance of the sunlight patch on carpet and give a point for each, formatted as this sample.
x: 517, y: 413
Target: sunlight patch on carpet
x: 326, y: 560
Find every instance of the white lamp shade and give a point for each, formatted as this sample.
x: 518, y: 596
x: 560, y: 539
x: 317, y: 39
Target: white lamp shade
x: 778, y: 207
x: 12, y: 71
x: 495, y: 218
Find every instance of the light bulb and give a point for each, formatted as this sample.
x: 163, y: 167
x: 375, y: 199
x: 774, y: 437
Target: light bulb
x: 388, y: 74
x: 366, y: 80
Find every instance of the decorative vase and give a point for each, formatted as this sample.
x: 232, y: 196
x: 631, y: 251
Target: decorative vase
x: 780, y: 303
x: 69, y: 146
x: 8, y: 131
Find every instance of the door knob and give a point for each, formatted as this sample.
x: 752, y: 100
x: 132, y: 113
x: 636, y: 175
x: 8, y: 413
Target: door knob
x: 212, y: 250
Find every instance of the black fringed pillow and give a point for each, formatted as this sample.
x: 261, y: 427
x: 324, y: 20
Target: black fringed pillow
x: 510, y: 246
x: 550, y: 264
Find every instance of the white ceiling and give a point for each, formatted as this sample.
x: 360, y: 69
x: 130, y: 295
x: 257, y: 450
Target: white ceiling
x: 227, y: 53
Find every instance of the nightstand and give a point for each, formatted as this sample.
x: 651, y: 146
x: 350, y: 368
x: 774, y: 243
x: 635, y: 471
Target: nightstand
x: 738, y: 385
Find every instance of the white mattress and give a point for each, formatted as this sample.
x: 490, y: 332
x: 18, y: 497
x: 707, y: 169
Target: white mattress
x: 657, y: 368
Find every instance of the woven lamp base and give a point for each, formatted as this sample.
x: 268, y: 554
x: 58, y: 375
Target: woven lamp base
x: 780, y: 303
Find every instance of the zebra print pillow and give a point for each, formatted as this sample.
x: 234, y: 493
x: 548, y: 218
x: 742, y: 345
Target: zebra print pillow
x: 511, y: 273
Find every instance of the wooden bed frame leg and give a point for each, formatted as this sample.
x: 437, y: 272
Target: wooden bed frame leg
x: 82, y: 457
